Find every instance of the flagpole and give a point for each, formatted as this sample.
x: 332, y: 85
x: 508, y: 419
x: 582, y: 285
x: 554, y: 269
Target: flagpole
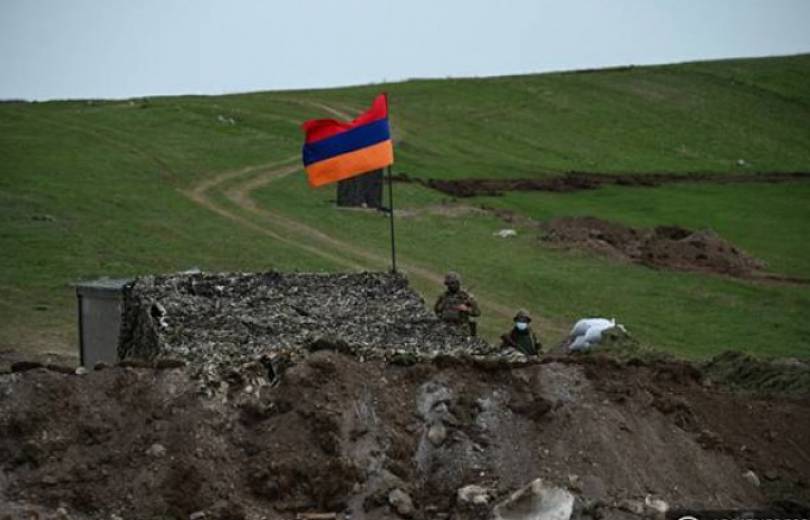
x: 391, y: 212
x: 391, y: 206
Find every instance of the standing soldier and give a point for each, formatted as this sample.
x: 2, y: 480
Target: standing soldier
x: 457, y: 306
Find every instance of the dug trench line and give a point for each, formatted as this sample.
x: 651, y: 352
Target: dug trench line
x: 578, y: 181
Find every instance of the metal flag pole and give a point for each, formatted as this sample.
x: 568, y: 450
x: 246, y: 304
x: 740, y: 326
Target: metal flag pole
x: 391, y: 206
x: 391, y: 213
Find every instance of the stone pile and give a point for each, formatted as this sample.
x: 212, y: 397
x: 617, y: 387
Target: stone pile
x: 219, y: 321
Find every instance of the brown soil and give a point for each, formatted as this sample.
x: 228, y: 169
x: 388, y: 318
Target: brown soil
x: 576, y: 181
x: 336, y: 435
x: 665, y: 247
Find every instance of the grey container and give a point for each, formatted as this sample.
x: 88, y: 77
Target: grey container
x: 99, y: 304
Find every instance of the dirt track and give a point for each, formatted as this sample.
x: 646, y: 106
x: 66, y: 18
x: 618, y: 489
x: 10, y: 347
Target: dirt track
x: 242, y: 182
x: 338, y: 435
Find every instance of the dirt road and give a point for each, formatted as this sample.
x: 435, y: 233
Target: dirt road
x: 238, y: 187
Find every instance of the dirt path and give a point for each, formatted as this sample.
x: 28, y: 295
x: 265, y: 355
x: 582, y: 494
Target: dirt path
x: 290, y: 231
x: 200, y: 195
x: 332, y: 110
x: 337, y: 251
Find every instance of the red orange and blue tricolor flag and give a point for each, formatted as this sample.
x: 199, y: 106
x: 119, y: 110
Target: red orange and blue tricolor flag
x: 336, y: 150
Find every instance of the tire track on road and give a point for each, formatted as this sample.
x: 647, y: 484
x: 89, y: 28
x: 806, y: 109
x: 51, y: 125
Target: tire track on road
x: 199, y: 194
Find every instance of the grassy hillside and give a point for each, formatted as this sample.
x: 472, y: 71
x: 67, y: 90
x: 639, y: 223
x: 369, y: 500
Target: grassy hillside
x: 119, y: 188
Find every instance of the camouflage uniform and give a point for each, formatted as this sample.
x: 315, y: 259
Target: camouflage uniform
x: 446, y: 306
x: 524, y: 341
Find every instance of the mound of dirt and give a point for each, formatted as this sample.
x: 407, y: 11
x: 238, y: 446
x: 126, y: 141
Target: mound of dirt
x: 667, y: 247
x: 785, y: 376
x: 371, y: 440
x: 218, y: 321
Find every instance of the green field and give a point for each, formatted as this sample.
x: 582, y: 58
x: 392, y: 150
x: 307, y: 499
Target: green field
x: 116, y: 188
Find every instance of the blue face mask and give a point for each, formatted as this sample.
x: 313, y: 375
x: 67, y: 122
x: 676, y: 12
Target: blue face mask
x: 521, y: 325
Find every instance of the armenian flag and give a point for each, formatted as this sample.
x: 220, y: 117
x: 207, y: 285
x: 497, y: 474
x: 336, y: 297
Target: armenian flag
x: 336, y: 150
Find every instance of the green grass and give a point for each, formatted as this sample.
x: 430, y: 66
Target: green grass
x: 688, y: 313
x: 91, y: 189
x: 109, y: 210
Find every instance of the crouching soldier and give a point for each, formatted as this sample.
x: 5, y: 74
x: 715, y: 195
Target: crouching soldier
x: 522, y: 337
x: 457, y: 306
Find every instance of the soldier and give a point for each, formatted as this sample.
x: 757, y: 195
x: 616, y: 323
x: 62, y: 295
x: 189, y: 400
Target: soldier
x: 522, y: 337
x: 457, y: 306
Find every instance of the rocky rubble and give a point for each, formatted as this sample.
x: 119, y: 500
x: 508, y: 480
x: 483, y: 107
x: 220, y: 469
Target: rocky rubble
x: 219, y: 321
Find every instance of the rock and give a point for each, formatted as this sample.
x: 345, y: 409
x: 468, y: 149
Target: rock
x: 656, y: 504
x: 536, y: 501
x: 389, y: 480
x: 62, y: 514
x: 80, y: 371
x: 101, y: 365
x: 751, y: 477
x: 473, y: 495
x: 505, y: 233
x: 197, y: 515
x: 437, y: 433
x: 156, y: 450
x: 771, y: 475
x: 49, y: 480
x: 401, y: 502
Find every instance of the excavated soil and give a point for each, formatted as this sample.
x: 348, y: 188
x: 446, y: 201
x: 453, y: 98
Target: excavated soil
x: 576, y: 181
x: 664, y: 247
x: 332, y: 434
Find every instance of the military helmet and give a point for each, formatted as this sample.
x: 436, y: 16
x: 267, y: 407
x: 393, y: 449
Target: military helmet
x: 452, y: 277
x: 523, y: 315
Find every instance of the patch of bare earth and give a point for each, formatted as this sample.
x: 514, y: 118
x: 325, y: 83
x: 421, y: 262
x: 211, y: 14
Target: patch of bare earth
x: 664, y: 247
x: 337, y: 435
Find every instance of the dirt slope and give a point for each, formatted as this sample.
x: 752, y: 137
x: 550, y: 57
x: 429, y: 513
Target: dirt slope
x: 337, y: 435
